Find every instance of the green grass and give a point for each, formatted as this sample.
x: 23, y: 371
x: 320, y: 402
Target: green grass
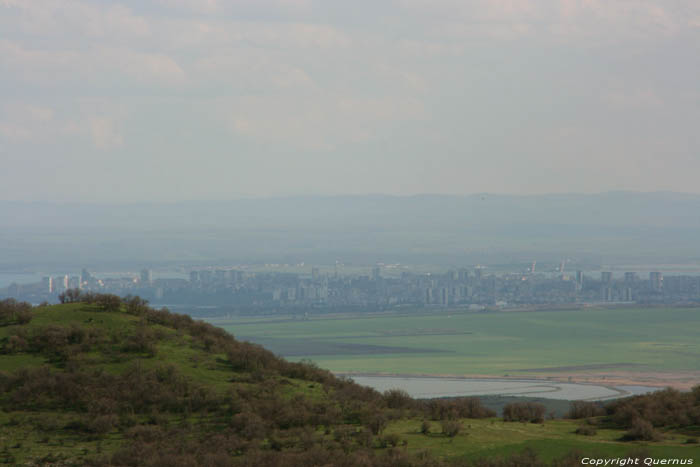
x: 41, y: 436
x: 470, y: 343
x: 654, y: 339
x: 552, y: 439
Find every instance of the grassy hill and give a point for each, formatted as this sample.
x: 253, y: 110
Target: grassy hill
x: 114, y: 382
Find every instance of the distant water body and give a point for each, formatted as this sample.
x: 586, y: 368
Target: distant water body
x: 432, y: 387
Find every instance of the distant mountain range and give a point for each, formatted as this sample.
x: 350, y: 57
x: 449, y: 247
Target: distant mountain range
x: 432, y: 229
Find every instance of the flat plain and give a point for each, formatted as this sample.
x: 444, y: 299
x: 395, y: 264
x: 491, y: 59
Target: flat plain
x: 616, y: 345
x: 489, y: 438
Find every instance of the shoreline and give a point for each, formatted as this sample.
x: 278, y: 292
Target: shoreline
x: 682, y: 381
x: 616, y: 383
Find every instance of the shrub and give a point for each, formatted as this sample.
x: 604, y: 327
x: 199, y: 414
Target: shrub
x: 108, y: 302
x: 661, y: 408
x: 425, y: 427
x: 398, y: 399
x: 14, y: 312
x: 102, y: 424
x: 71, y: 296
x: 451, y: 428
x: 641, y: 430
x: 586, y: 430
x: 377, y: 423
x: 584, y: 409
x: 524, y: 412
x: 391, y: 439
x: 460, y: 407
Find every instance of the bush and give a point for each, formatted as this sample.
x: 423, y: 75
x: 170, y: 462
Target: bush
x: 71, y: 296
x: 586, y: 430
x: 102, y: 424
x: 14, y: 312
x: 425, y: 427
x: 584, y: 409
x: 451, y: 428
x: 377, y: 423
x: 460, y: 407
x: 661, y: 408
x: 108, y: 302
x: 641, y: 430
x: 398, y: 399
x: 391, y: 439
x: 524, y: 412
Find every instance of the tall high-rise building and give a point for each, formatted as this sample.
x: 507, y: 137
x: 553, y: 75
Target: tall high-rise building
x: 606, y: 294
x: 205, y: 276
x: 656, y: 281
x: 627, y: 294
x: 47, y: 284
x: 146, y: 276
x: 606, y: 277
x: 74, y: 282
x: 444, y: 296
x: 463, y: 275
x: 315, y: 274
x: 194, y: 276
x: 579, y: 281
x: 86, y: 277
x: 376, y: 273
x: 60, y: 283
x: 428, y: 296
x: 630, y: 277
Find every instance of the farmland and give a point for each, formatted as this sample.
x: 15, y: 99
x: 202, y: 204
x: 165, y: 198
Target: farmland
x: 644, y: 345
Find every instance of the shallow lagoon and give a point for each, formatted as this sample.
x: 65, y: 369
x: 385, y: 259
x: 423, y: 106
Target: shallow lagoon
x: 430, y: 387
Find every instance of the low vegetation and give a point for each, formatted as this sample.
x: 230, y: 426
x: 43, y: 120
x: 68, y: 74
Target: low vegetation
x: 524, y: 412
x: 101, y: 380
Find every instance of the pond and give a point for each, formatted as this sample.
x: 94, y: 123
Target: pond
x: 430, y: 387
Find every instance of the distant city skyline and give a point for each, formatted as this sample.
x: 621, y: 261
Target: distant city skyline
x: 170, y: 100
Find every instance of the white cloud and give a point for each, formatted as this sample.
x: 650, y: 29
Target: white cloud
x: 14, y: 132
x: 603, y: 20
x: 397, y: 80
x: 246, y: 69
x: 67, y: 18
x: 217, y: 6
x: 319, y: 123
x: 104, y: 134
x: 83, y: 67
x: 25, y: 122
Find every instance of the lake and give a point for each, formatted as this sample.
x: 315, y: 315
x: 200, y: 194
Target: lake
x: 431, y: 387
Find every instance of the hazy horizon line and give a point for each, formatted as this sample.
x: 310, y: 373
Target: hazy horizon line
x: 349, y: 195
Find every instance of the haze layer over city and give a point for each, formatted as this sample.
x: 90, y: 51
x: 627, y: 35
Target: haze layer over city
x: 312, y: 232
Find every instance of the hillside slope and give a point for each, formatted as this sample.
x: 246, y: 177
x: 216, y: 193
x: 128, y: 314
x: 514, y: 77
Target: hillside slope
x: 123, y: 384
x: 114, y: 382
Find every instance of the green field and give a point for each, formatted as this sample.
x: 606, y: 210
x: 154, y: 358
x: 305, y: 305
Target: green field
x: 487, y: 343
x: 488, y: 438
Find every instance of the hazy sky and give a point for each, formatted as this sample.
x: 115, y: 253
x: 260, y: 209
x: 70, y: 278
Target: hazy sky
x: 208, y: 99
